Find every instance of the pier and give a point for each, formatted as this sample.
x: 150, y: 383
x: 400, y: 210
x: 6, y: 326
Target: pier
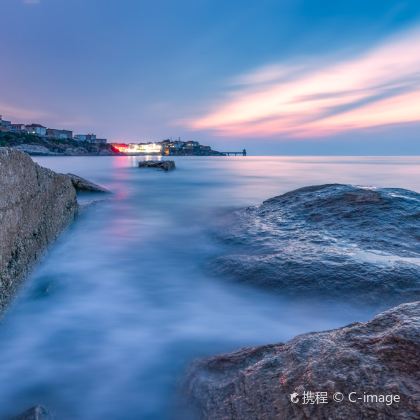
x: 241, y: 153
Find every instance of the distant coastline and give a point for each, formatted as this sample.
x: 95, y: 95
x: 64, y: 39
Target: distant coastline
x: 37, y: 140
x: 40, y: 146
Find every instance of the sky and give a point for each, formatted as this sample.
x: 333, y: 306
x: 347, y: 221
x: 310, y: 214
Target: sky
x: 304, y: 77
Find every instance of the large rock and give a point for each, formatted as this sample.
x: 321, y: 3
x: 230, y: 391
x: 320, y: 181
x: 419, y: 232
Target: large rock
x: 165, y: 165
x: 36, y: 204
x: 379, y: 357
x: 333, y: 241
x: 84, y: 185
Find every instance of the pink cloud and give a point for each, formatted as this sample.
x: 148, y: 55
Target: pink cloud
x: 377, y: 88
x: 19, y: 114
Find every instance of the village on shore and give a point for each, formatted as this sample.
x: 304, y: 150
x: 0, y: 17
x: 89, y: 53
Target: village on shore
x: 37, y: 139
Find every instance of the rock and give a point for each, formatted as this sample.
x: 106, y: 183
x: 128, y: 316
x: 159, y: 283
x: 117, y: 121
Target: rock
x: 165, y: 165
x: 75, y: 151
x: 36, y: 204
x: 82, y: 184
x: 335, y: 241
x: 34, y: 149
x: 37, y: 412
x: 379, y: 357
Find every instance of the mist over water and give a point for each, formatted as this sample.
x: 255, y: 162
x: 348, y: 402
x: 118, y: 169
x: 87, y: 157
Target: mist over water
x: 122, y: 303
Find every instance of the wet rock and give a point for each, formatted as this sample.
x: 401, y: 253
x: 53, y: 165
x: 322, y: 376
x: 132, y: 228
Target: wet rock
x: 165, y: 165
x: 334, y: 241
x: 82, y: 184
x: 36, y: 204
x: 37, y: 412
x: 379, y: 357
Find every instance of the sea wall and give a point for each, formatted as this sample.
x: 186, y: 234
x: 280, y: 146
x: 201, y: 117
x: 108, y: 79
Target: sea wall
x: 36, y: 204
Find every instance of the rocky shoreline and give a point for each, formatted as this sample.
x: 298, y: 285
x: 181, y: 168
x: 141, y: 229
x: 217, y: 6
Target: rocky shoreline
x: 39, y: 150
x: 339, y: 243
x: 36, y: 205
x: 378, y: 358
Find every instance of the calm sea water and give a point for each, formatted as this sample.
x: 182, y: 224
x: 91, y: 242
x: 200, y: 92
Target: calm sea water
x: 122, y: 303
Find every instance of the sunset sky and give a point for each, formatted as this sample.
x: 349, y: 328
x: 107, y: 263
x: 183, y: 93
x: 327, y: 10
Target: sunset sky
x: 274, y: 76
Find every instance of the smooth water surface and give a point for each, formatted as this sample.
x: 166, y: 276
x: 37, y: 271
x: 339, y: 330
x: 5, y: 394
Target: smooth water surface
x: 122, y: 303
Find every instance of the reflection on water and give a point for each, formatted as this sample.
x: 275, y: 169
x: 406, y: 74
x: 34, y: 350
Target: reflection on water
x: 121, y: 304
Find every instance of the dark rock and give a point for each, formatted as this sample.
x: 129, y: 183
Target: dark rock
x: 379, y: 357
x: 165, y: 165
x: 336, y: 241
x: 36, y: 204
x: 34, y: 413
x: 82, y: 184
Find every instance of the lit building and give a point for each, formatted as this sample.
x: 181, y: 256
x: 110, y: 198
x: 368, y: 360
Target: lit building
x: 37, y: 129
x: 143, y: 148
x: 192, y: 144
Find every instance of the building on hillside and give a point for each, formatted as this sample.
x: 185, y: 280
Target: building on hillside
x: 192, y: 144
x: 18, y: 128
x: 90, y: 138
x: 174, y: 148
x: 85, y: 137
x: 4, y: 124
x: 54, y: 133
x: 139, y: 148
x: 37, y: 129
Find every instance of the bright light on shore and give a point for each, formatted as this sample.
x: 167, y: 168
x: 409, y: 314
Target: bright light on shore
x: 147, y: 148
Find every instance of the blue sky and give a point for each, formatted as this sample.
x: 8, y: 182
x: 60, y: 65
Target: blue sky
x: 285, y: 76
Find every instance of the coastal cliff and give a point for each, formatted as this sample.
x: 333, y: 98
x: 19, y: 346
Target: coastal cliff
x: 36, y: 204
x: 379, y: 357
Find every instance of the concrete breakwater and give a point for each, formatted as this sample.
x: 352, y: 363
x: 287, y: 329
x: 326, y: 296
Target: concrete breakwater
x: 36, y: 204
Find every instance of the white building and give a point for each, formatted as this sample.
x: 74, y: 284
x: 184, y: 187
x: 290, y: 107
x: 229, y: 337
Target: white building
x: 37, y: 129
x: 136, y: 148
x: 147, y: 148
x: 5, y: 125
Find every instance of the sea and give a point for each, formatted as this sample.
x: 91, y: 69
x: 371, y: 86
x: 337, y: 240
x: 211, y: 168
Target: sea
x: 123, y: 302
